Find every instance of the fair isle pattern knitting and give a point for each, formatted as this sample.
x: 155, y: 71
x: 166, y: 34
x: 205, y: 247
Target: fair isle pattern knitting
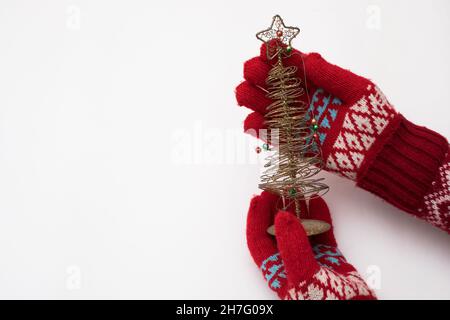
x: 361, y: 136
x: 324, y: 109
x: 327, y: 284
x: 363, y: 123
x: 295, y: 266
x: 328, y: 256
x: 437, y: 202
x: 273, y: 271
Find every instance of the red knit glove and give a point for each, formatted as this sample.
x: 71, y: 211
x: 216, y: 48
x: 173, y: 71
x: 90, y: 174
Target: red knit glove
x: 294, y: 266
x: 362, y: 137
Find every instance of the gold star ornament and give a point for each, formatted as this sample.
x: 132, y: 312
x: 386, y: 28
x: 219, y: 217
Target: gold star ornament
x: 279, y: 31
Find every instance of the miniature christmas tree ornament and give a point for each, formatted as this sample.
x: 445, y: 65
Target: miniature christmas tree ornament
x: 295, y: 157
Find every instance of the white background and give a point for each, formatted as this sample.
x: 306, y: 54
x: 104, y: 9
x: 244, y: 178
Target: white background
x: 95, y: 97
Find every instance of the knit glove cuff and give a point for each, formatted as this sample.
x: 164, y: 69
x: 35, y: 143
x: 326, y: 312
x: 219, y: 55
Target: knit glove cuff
x: 411, y: 161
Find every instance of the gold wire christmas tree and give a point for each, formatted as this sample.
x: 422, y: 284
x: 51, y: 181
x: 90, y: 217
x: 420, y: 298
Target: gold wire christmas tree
x: 296, y: 159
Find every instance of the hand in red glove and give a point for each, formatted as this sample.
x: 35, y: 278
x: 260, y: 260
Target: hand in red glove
x: 361, y: 135
x: 295, y: 266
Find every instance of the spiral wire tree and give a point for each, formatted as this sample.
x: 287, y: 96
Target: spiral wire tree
x: 296, y: 156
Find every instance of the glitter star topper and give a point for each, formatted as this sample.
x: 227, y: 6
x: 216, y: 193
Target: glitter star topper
x: 279, y: 31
